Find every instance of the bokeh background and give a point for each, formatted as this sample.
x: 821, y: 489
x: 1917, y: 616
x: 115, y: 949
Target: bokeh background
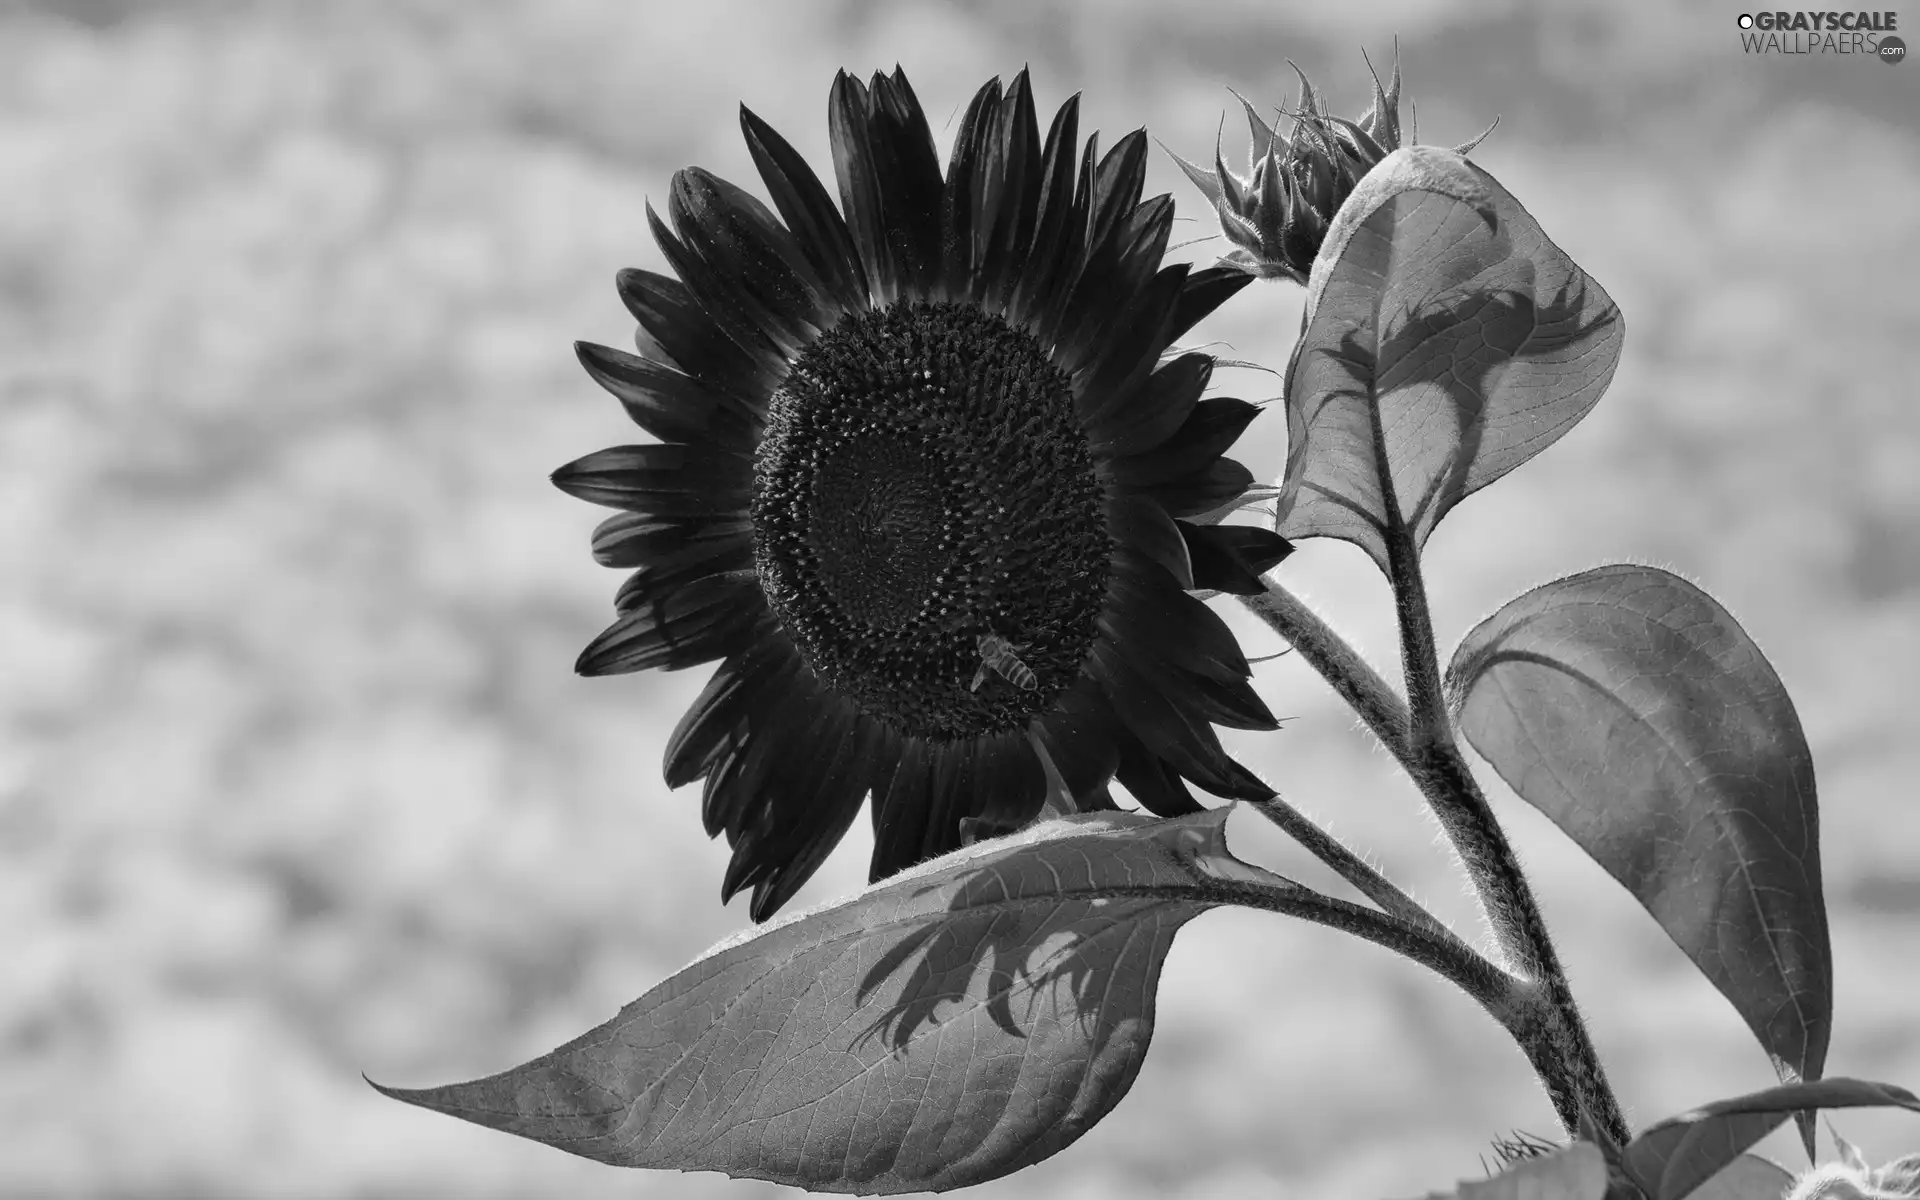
x: 296, y: 781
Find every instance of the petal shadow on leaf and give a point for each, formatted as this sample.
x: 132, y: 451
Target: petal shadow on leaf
x: 1446, y: 341
x: 950, y: 1025
x: 1073, y: 946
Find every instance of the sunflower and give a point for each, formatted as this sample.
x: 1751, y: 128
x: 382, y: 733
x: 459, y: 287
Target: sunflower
x: 926, y: 488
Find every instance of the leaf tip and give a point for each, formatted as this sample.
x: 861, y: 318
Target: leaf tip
x: 404, y: 1095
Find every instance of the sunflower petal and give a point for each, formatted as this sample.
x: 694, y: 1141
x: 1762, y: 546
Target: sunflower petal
x: 1017, y: 151
x: 1117, y: 183
x: 1081, y: 734
x: 1210, y: 429
x: 752, y: 259
x: 1100, y: 799
x: 1205, y: 489
x: 708, y: 619
x: 858, y: 176
x: 1041, y: 287
x: 731, y: 707
x: 902, y: 802
x: 1231, y: 558
x: 1156, y: 785
x: 672, y: 406
x: 718, y: 297
x: 679, y: 332
x: 659, y: 577
x: 1142, y: 524
x: 665, y: 480
x: 1185, y: 742
x: 1124, y: 358
x: 734, y: 797
x: 789, y: 780
x: 913, y: 185
x: 808, y: 814
x: 1154, y: 409
x: 1182, y: 648
x: 1118, y: 278
x: 1149, y: 610
x: 808, y: 211
x: 975, y: 182
x: 1002, y: 790
x: 1231, y: 703
x: 628, y: 539
x: 1206, y: 290
x: 890, y: 185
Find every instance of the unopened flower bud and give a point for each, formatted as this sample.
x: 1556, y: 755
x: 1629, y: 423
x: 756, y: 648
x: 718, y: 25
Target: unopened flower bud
x: 1278, y: 215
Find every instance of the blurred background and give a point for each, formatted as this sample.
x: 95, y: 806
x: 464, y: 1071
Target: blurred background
x: 296, y: 780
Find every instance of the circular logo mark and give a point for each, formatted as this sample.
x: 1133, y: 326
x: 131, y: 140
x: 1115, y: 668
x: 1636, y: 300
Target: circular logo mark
x: 1746, y: 21
x: 1892, y: 49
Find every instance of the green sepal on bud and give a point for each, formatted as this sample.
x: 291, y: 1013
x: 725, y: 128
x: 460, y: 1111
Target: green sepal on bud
x: 1278, y: 215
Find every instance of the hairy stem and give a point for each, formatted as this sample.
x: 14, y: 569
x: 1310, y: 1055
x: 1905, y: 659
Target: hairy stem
x: 1542, y: 1017
x: 1559, y: 1046
x: 1447, y: 956
x: 1351, y: 867
x: 1350, y: 675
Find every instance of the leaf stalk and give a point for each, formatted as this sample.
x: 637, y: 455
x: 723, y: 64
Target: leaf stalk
x: 1537, y: 1006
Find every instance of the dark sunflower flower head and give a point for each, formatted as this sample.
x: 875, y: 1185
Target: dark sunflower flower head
x: 930, y: 487
x: 1278, y: 215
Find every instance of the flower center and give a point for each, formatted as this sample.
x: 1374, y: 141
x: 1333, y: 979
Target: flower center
x: 928, y: 524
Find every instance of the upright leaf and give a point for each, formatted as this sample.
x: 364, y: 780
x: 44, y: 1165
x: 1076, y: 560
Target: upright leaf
x: 948, y: 1026
x: 1629, y: 707
x: 1676, y: 1158
x: 1446, y: 341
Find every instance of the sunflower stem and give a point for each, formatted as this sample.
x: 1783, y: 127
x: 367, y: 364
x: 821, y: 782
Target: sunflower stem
x: 1447, y: 956
x: 1541, y: 1016
x: 1352, y: 868
x: 1553, y: 1035
x: 1351, y: 676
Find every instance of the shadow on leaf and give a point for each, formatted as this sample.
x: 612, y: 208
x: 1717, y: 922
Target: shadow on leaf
x: 945, y: 1027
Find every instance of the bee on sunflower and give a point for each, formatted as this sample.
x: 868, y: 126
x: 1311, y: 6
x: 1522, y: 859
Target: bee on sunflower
x: 941, y: 412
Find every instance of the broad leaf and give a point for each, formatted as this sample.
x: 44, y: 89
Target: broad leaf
x: 1446, y: 341
x: 1674, y: 1158
x: 1578, y: 1172
x: 947, y: 1026
x: 1625, y: 704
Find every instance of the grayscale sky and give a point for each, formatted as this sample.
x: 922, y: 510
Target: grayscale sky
x: 296, y: 780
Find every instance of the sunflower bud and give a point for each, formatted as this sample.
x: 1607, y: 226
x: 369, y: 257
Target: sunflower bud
x: 1278, y: 215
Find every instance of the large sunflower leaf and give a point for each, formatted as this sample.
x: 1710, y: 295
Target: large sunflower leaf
x: 1629, y: 707
x: 1578, y: 1172
x: 947, y: 1026
x: 1675, y: 1158
x: 1446, y: 341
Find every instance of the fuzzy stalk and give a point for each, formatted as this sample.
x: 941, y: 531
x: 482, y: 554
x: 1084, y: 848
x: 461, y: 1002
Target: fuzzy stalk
x: 1542, y: 1017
